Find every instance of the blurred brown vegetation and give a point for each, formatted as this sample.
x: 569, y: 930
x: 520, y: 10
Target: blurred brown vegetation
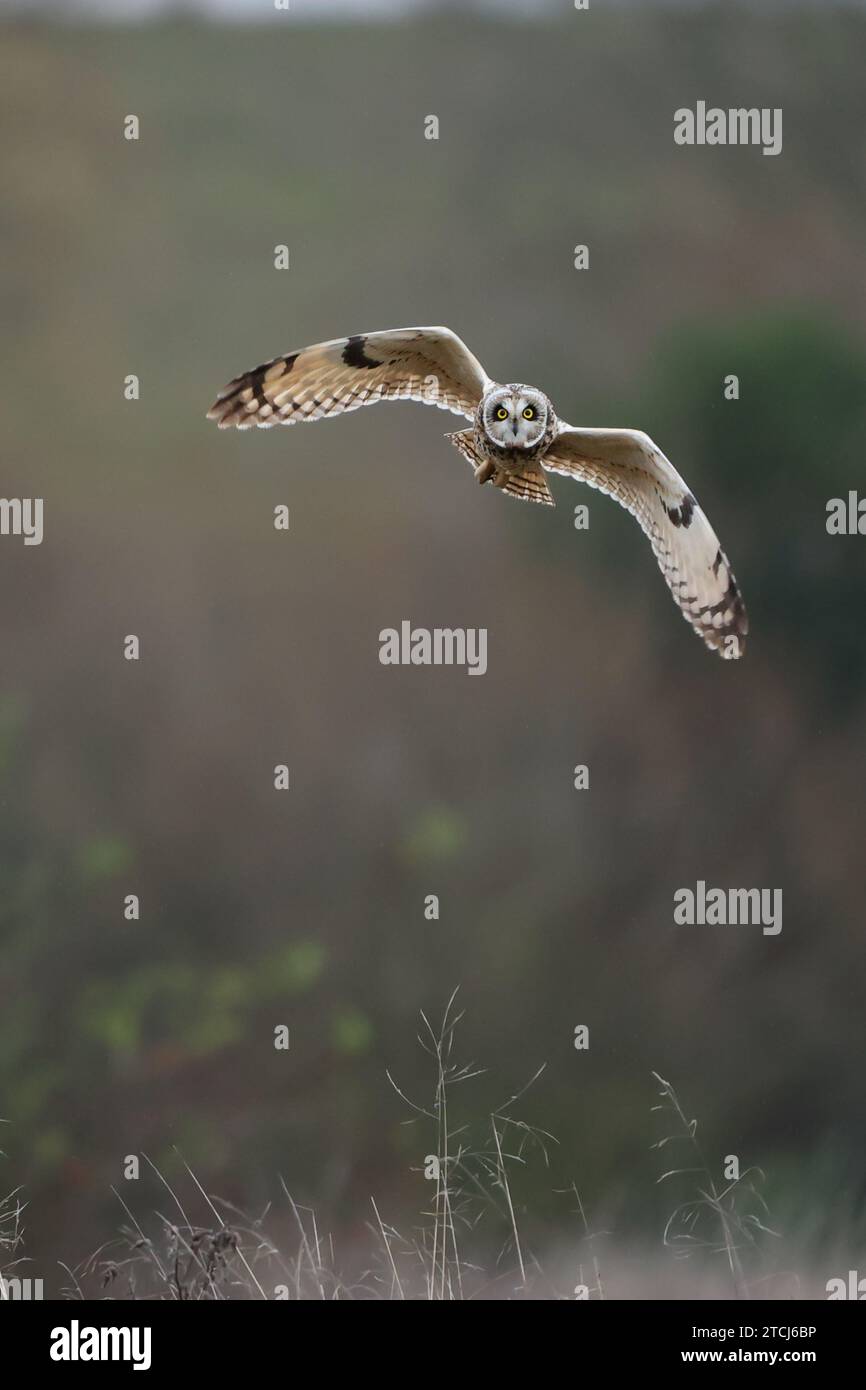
x: 260, y: 648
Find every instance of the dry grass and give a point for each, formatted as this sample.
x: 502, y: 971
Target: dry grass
x: 11, y: 1212
x: 725, y: 1220
x: 473, y: 1206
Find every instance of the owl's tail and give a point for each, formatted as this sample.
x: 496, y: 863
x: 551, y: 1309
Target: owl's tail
x: 529, y: 485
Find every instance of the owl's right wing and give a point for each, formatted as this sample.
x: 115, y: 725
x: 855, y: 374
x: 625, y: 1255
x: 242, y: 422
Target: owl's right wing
x: 630, y: 468
x: 431, y: 365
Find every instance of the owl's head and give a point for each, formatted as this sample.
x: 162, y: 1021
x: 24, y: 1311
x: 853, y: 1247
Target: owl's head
x: 515, y: 417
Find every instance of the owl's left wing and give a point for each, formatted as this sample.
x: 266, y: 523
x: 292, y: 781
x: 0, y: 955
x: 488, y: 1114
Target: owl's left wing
x: 629, y: 467
x: 431, y: 365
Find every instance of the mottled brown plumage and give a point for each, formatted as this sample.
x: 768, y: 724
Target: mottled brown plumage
x: 514, y: 436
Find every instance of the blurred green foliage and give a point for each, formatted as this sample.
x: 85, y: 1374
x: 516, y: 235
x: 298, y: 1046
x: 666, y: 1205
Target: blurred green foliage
x: 790, y: 442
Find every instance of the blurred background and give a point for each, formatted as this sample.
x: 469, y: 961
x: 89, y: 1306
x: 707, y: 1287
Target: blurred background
x: 306, y: 908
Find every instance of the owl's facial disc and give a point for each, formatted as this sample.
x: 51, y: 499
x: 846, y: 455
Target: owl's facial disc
x: 515, y: 417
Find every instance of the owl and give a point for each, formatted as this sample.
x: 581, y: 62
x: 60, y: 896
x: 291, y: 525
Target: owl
x: 513, y: 439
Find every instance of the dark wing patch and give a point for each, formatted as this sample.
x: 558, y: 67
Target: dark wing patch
x: 355, y: 356
x: 682, y: 515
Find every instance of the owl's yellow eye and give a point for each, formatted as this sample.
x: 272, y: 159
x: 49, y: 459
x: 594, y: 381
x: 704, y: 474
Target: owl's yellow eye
x: 502, y: 413
x: 529, y: 413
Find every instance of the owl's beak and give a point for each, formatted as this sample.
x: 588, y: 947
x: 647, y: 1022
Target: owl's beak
x: 514, y: 428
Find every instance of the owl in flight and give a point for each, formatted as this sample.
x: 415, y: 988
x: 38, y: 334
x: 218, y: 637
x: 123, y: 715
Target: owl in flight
x: 514, y: 436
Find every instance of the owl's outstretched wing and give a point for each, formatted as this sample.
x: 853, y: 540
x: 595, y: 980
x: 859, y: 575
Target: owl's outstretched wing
x: 431, y: 365
x: 629, y: 467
